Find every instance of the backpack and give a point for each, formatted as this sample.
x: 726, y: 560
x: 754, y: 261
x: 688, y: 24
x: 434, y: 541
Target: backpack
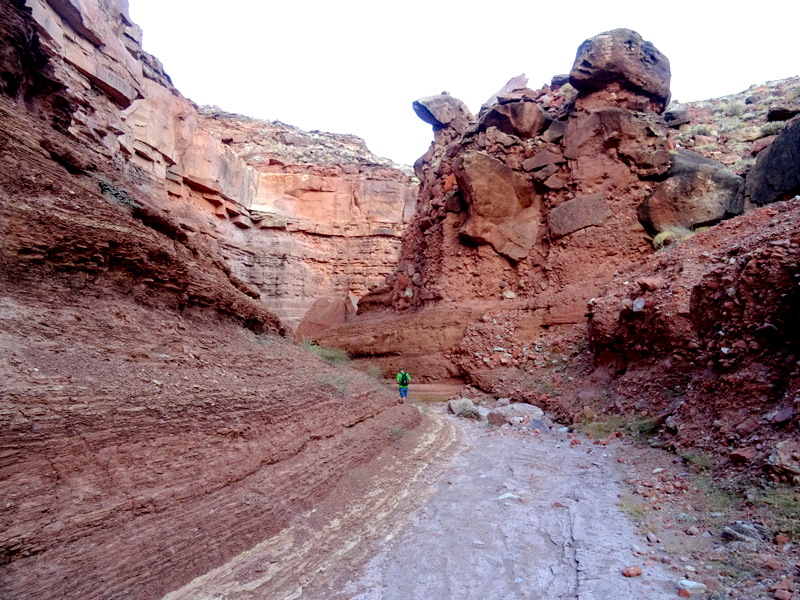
x: 403, y: 378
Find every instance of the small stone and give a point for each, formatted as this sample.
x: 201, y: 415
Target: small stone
x: 682, y: 593
x: 652, y: 537
x: 773, y: 563
x: 650, y: 283
x: 783, y: 584
x: 783, y: 595
x: 782, y: 538
x: 693, y: 587
x: 692, y: 530
x: 632, y: 571
x: 743, y: 455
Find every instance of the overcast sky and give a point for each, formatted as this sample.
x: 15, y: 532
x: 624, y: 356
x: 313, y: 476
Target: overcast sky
x: 352, y: 66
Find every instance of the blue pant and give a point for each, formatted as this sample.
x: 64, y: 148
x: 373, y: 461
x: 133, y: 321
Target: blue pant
x: 403, y: 392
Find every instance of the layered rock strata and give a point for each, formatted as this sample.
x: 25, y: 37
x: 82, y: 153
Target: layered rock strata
x: 153, y: 422
x: 290, y: 208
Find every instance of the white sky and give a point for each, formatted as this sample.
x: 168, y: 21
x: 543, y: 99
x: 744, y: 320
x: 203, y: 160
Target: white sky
x: 355, y: 66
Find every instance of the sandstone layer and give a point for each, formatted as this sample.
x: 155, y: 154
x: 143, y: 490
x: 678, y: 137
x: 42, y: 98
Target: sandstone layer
x: 290, y: 209
x: 154, y: 423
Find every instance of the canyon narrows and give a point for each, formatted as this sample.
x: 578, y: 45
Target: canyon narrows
x: 582, y: 258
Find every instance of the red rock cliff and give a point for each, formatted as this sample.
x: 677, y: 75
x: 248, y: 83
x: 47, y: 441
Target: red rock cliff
x: 290, y: 209
x: 152, y: 422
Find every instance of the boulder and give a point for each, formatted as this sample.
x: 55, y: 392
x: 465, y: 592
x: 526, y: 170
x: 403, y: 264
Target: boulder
x: 745, y: 531
x: 462, y: 407
x: 520, y: 82
x: 549, y: 155
x: 443, y: 111
x: 324, y: 314
x: 504, y: 210
x: 603, y: 142
x: 520, y: 118
x: 514, y: 414
x: 578, y: 213
x: 782, y: 113
x: 776, y: 174
x: 622, y: 57
x: 698, y: 192
x: 785, y: 460
x: 539, y: 425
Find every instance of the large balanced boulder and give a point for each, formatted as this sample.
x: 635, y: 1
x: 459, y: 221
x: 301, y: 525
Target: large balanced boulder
x: 623, y: 58
x: 504, y: 210
x: 776, y: 174
x: 697, y: 192
x: 443, y: 111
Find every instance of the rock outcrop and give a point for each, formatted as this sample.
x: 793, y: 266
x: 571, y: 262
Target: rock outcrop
x: 708, y: 334
x: 532, y: 205
x: 620, y: 62
x: 154, y: 423
x: 289, y: 208
x: 523, y: 232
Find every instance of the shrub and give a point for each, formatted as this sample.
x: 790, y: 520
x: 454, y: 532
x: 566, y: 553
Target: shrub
x: 340, y: 383
x: 671, y: 236
x: 734, y: 109
x: 374, y: 371
x: 783, y: 504
x: 602, y: 428
x: 700, y: 460
x: 335, y: 356
x: 701, y: 130
x: 642, y: 427
x: 773, y: 128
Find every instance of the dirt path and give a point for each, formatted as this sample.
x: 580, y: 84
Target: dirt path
x: 463, y: 512
x: 515, y: 516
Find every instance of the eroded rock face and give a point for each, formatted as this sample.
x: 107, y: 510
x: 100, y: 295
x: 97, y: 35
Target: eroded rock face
x: 154, y: 424
x: 534, y: 203
x: 289, y: 208
x: 504, y: 210
x: 325, y: 220
x: 708, y: 330
x: 620, y: 61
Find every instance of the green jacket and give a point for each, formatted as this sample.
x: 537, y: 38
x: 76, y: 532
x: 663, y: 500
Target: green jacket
x: 398, y: 379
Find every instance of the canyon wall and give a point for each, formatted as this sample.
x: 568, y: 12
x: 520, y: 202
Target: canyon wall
x: 153, y: 422
x: 531, y: 206
x: 289, y: 208
x: 572, y: 248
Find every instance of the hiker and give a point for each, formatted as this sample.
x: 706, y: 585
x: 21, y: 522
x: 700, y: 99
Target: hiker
x: 403, y: 379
